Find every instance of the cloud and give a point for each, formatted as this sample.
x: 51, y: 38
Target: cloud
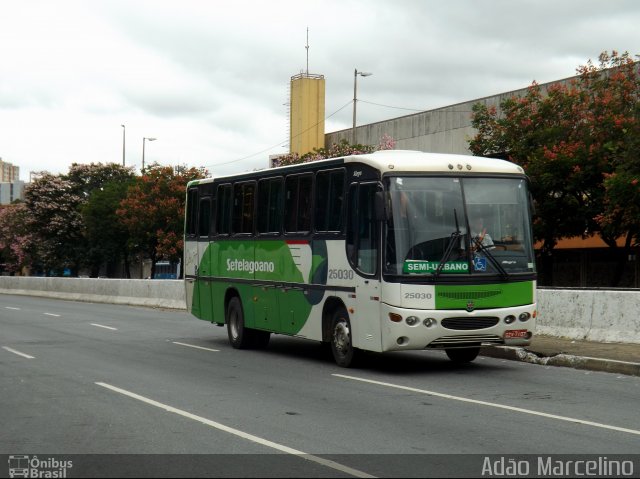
x: 210, y: 80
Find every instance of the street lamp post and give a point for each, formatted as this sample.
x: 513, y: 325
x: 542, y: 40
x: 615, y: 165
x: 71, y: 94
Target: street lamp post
x: 143, y: 140
x: 124, y: 130
x: 355, y: 100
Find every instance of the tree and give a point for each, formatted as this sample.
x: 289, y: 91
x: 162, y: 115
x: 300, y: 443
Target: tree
x: 615, y: 132
x: 335, y: 151
x: 107, y: 238
x: 55, y: 224
x: 87, y: 178
x: 16, y: 242
x: 101, y: 187
x: 153, y: 212
x: 569, y: 139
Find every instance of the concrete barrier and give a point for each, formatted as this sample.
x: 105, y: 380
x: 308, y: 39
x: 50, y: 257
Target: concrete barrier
x: 593, y: 315
x: 136, y: 292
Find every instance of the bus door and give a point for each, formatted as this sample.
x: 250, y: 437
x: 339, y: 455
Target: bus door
x: 269, y: 253
x: 204, y: 286
x: 296, y: 261
x: 191, y: 251
x: 363, y: 245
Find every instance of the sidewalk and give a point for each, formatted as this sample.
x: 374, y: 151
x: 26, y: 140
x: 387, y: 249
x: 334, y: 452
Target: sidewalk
x: 621, y: 358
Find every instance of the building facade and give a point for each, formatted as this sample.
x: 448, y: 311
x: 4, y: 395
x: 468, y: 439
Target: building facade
x: 11, y: 191
x: 11, y: 188
x: 442, y: 130
x: 8, y: 172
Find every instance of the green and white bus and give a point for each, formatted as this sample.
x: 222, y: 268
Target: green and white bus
x: 372, y: 252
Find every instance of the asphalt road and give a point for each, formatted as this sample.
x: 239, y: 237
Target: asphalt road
x: 84, y: 379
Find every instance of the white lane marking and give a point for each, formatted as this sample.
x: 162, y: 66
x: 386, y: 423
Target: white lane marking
x: 495, y: 405
x: 18, y: 353
x: 236, y: 432
x: 51, y: 314
x: 105, y: 327
x: 9, y: 307
x: 196, y: 347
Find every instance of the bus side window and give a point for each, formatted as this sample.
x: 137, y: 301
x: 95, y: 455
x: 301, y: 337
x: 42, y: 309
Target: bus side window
x: 192, y: 212
x: 298, y: 203
x: 270, y: 206
x: 204, y: 217
x: 329, y: 200
x: 223, y: 218
x: 304, y: 206
x: 243, y: 207
x: 212, y: 217
x: 290, y: 203
x: 362, y: 233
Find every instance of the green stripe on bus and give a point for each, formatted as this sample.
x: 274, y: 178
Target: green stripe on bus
x: 484, y: 296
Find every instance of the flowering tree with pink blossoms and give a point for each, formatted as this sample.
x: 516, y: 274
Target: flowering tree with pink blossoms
x: 336, y: 150
x: 16, y: 241
x: 55, y: 224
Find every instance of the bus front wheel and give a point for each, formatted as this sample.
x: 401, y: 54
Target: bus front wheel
x: 342, y: 348
x: 463, y: 355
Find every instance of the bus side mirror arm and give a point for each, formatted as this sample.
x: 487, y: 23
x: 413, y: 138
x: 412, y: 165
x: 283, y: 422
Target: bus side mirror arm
x: 379, y: 206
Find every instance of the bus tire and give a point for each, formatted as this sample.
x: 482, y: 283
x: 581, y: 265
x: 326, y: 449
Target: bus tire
x: 239, y: 336
x: 341, y: 339
x: 463, y: 355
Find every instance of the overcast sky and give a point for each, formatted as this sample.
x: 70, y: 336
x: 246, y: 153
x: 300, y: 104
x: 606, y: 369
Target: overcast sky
x: 210, y: 79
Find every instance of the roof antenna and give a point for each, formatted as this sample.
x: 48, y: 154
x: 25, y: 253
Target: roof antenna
x: 307, y: 47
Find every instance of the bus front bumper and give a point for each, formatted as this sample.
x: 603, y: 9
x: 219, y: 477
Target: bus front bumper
x: 411, y: 329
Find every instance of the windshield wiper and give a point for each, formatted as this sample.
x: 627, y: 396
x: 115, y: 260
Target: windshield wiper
x: 453, y: 239
x: 490, y: 257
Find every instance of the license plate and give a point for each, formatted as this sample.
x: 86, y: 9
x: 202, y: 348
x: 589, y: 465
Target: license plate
x: 516, y: 333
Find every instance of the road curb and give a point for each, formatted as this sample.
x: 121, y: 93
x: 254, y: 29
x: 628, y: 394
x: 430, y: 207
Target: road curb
x: 562, y: 360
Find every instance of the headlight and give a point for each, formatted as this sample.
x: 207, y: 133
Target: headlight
x: 429, y: 322
x: 412, y: 320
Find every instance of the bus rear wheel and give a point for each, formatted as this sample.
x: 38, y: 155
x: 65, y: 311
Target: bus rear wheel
x: 463, y: 355
x: 342, y: 348
x: 240, y: 336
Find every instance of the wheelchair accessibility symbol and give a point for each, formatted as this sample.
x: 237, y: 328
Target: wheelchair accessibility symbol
x: 479, y: 264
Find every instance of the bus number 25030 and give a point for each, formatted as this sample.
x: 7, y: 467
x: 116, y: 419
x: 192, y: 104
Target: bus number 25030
x: 340, y: 274
x: 418, y: 296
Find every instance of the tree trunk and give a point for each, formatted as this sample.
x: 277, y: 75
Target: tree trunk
x: 127, y: 266
x: 621, y: 260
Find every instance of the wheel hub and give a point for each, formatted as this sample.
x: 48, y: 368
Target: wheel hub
x: 341, y: 337
x: 234, y: 325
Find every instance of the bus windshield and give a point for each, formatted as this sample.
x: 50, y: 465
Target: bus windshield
x: 456, y: 225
